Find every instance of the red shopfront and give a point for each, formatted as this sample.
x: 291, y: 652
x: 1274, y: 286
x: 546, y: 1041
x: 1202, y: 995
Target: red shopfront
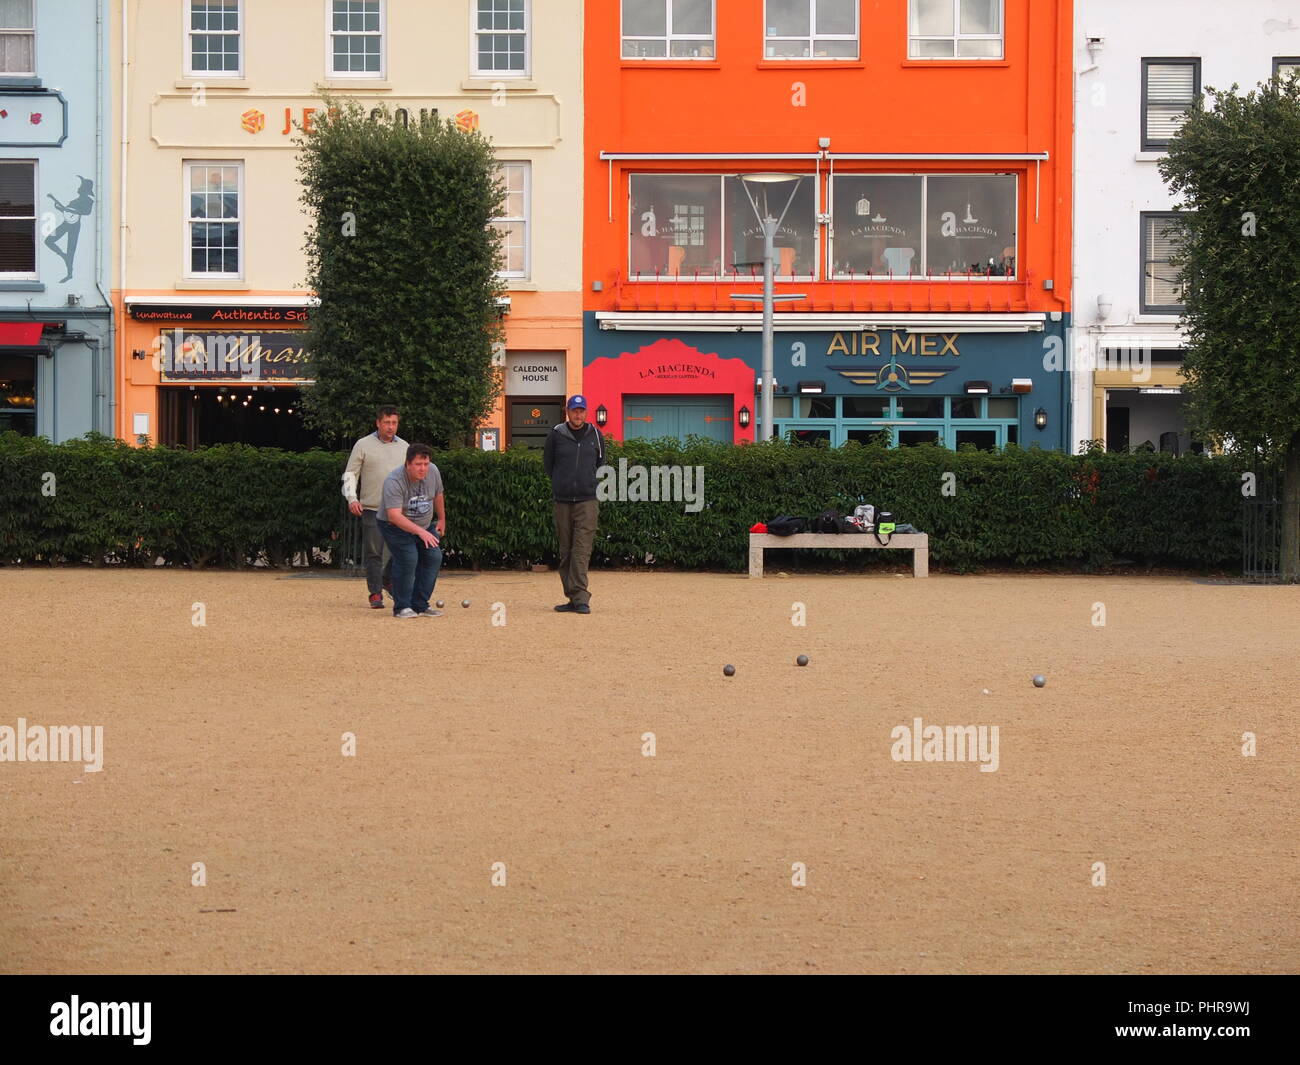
x: 668, y: 388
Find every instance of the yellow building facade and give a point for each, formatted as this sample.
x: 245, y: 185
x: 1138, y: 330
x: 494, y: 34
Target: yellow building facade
x: 209, y: 229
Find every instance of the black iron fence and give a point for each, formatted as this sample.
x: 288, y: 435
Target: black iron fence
x: 350, y: 547
x: 1261, y: 540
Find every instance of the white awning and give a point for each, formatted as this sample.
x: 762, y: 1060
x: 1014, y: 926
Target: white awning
x: 740, y: 322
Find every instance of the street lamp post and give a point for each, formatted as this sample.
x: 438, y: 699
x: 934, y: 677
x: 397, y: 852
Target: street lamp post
x: 770, y: 226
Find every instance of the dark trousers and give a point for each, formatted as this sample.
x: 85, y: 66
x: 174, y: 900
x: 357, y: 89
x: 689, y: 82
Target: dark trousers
x: 575, y: 528
x: 378, y: 562
x: 415, y: 568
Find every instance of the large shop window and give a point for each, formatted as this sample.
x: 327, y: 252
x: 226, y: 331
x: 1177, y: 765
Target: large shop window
x: 938, y: 226
x: 18, y: 394
x: 668, y: 29
x: 954, y: 29
x: 214, y: 44
x: 985, y: 423
x: 811, y: 29
x: 213, y: 191
x: 17, y: 220
x: 685, y: 226
x: 1162, y: 239
x: 17, y: 37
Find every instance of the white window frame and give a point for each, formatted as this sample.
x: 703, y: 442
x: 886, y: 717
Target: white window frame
x: 670, y: 38
x: 958, y: 37
x: 356, y: 75
x: 527, y: 272
x: 527, y: 34
x: 240, y: 219
x: 17, y: 30
x: 923, y: 256
x: 37, y: 244
x: 819, y: 244
x: 190, y: 72
x: 814, y: 36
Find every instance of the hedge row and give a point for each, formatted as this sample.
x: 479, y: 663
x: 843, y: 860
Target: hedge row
x: 102, y: 501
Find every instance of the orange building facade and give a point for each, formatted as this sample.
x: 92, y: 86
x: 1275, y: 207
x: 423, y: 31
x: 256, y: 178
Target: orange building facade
x: 925, y: 226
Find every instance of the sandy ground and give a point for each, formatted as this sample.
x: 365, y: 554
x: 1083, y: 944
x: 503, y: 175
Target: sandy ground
x: 522, y: 744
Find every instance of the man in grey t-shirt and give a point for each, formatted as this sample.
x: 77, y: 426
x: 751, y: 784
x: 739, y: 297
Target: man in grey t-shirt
x: 412, y: 497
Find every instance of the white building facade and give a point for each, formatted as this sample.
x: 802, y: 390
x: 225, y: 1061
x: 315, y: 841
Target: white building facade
x: 1137, y: 66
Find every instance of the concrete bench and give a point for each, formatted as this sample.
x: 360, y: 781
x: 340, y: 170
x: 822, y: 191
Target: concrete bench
x: 918, y: 543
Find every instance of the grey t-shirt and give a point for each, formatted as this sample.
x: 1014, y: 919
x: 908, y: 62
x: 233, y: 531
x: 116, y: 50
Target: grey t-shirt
x: 414, y: 497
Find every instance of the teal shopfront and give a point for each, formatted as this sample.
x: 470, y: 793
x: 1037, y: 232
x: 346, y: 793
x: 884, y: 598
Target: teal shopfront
x: 647, y: 417
x: 952, y: 381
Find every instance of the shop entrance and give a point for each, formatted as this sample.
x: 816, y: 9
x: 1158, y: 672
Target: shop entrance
x: 1148, y: 419
x: 260, y: 416
x: 647, y: 417
x: 532, y: 419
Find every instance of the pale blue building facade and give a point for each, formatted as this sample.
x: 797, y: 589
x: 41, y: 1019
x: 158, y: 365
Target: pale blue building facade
x: 56, y: 321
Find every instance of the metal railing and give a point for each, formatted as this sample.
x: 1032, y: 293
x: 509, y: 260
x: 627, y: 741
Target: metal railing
x: 1261, y: 540
x: 350, y: 556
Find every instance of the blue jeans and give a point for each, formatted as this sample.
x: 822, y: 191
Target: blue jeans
x: 415, y: 568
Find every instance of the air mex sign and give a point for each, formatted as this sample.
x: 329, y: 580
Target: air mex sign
x: 893, y: 376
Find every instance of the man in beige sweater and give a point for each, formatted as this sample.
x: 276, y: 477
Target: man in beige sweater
x: 373, y: 458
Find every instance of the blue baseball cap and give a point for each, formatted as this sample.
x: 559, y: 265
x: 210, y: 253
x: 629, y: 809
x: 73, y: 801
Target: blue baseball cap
x: 577, y: 401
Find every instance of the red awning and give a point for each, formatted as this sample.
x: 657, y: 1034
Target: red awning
x: 20, y: 334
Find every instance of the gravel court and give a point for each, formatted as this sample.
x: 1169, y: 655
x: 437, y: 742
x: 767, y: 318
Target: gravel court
x: 522, y: 744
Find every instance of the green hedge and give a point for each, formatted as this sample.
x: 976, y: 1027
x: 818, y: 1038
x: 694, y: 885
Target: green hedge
x: 235, y: 505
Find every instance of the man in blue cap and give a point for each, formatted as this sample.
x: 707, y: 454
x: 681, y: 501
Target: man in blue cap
x: 573, y: 453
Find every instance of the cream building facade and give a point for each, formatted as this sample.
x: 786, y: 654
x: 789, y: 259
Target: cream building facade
x: 210, y: 231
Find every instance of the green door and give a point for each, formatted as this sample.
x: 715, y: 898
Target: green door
x: 680, y: 416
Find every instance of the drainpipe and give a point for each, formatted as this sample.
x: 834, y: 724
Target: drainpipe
x: 122, y: 169
x: 104, y: 417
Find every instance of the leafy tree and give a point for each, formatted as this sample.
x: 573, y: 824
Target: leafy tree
x: 403, y: 258
x: 1236, y: 167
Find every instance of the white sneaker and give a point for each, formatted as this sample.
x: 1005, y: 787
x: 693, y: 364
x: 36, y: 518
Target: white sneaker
x: 406, y: 613
x: 430, y: 613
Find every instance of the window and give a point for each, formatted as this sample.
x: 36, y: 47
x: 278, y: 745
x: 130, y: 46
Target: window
x: 683, y: 226
x: 954, y: 29
x: 811, y: 29
x: 1284, y: 66
x: 667, y: 29
x: 911, y: 419
x: 215, y: 39
x: 17, y: 219
x: 501, y: 38
x: 356, y: 39
x: 1162, y: 237
x: 214, y: 194
x: 513, y: 224
x: 1169, y: 87
x: 17, y: 37
x: 937, y: 226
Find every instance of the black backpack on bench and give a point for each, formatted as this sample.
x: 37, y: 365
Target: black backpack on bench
x: 832, y: 521
x: 785, y: 525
